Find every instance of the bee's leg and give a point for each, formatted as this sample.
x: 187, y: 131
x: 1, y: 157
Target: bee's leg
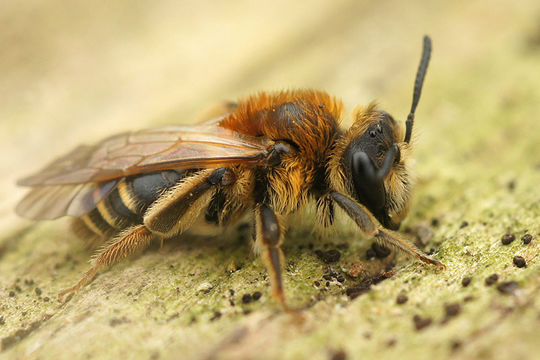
x: 178, y: 208
x: 172, y: 213
x: 268, y: 239
x: 369, y: 225
x: 123, y: 245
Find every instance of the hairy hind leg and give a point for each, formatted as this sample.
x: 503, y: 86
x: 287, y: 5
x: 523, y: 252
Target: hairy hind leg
x: 172, y: 213
x: 126, y: 243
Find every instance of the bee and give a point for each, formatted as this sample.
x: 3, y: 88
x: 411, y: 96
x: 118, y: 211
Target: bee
x: 267, y: 155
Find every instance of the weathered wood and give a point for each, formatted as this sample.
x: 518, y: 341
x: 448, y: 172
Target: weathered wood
x: 75, y: 73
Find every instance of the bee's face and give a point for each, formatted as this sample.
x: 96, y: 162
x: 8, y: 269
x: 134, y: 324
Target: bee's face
x: 376, y: 140
x: 374, y: 165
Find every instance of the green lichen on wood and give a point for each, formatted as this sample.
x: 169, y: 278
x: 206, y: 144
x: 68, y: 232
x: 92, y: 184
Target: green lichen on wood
x: 478, y: 171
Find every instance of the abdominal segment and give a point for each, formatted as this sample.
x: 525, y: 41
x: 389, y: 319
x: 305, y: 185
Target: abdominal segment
x: 125, y: 206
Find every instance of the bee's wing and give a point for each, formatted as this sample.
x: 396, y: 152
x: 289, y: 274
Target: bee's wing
x: 74, y: 183
x: 53, y: 201
x: 175, y: 147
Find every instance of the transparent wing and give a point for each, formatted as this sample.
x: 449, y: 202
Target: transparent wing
x: 53, y: 201
x: 175, y: 147
x: 75, y: 183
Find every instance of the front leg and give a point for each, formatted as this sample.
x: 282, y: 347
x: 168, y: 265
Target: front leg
x: 369, y: 226
x: 268, y: 239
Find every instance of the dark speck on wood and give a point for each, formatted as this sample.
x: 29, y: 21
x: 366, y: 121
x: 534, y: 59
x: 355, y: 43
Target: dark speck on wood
x: 329, y: 257
x: 420, y: 322
x: 246, y: 298
x: 527, y: 238
x: 507, y: 287
x: 402, y: 299
x: 519, y: 261
x: 508, y: 238
x: 491, y: 279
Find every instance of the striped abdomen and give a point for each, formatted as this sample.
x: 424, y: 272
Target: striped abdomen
x: 126, y: 204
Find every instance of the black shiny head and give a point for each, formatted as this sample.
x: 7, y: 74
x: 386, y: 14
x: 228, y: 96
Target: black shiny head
x: 371, y: 156
x: 369, y: 159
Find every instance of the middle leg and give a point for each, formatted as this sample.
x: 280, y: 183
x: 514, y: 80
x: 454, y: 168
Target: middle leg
x: 268, y: 239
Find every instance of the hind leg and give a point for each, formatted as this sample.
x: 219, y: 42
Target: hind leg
x: 172, y: 213
x: 133, y: 239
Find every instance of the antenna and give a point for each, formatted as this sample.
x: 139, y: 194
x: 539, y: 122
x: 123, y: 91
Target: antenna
x: 419, y: 82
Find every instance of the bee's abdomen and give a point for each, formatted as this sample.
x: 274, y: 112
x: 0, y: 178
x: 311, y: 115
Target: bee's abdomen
x: 126, y: 205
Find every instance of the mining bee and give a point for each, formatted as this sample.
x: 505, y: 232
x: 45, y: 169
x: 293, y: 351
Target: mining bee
x: 267, y: 155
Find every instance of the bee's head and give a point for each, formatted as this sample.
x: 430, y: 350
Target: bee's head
x: 372, y: 161
x: 375, y: 166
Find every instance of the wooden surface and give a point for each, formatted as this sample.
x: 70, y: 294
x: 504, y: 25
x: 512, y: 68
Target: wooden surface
x: 75, y: 72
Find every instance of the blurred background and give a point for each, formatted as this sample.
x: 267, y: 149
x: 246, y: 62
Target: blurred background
x: 77, y: 71
x: 74, y: 72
